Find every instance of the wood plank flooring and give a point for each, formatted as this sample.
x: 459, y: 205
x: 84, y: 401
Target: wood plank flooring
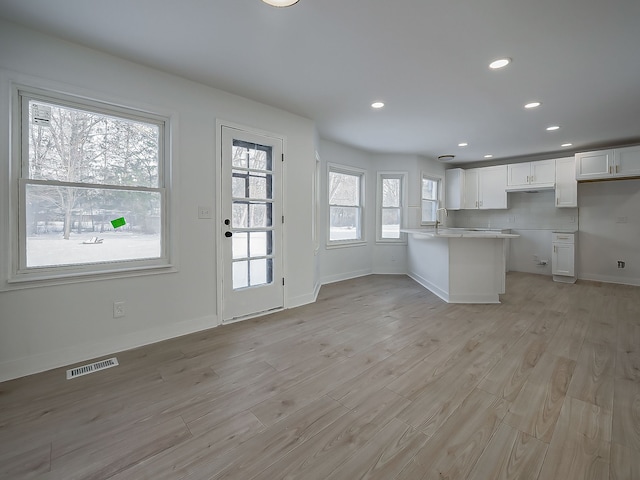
x: 379, y: 379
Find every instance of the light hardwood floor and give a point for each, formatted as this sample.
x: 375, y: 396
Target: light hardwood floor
x: 379, y: 379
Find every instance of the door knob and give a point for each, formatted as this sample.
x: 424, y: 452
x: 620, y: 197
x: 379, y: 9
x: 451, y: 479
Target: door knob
x: 228, y: 234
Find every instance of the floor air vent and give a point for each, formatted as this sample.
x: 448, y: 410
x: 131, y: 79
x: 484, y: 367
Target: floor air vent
x: 92, y: 367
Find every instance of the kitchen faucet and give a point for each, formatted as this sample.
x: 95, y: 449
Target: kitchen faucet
x: 437, y: 211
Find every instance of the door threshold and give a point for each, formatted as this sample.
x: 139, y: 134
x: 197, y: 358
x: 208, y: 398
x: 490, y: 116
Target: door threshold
x: 252, y: 315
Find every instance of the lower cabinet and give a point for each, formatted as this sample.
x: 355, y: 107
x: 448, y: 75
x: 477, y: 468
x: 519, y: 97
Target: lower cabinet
x: 563, y: 257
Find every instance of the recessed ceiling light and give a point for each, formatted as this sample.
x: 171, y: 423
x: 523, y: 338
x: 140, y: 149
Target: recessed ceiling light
x: 500, y: 63
x: 281, y: 3
x: 552, y: 128
x: 532, y: 105
x: 488, y: 156
x: 463, y: 144
x: 377, y: 105
x: 566, y: 144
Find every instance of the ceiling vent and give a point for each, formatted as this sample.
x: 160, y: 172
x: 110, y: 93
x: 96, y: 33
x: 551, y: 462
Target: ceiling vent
x: 91, y: 368
x: 446, y: 158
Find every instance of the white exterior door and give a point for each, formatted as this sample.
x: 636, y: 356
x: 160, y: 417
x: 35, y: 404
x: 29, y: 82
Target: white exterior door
x: 251, y: 240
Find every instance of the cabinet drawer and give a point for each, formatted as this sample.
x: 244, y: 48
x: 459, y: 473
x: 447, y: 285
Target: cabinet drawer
x: 562, y: 237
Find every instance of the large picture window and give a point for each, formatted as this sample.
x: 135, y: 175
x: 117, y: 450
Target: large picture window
x: 91, y: 190
x: 345, y: 195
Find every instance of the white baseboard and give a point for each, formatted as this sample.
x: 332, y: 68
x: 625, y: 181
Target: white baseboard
x: 304, y: 299
x: 24, y: 366
x: 609, y: 279
x: 345, y: 276
x: 429, y: 286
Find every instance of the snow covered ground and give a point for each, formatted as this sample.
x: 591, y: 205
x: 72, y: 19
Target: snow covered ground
x: 52, y: 249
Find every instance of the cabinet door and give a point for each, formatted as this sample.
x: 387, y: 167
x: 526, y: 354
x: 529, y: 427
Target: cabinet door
x: 518, y: 174
x: 454, y: 189
x: 562, y: 260
x: 627, y: 161
x: 543, y: 172
x: 492, y: 185
x: 566, y: 184
x: 594, y: 165
x: 471, y: 188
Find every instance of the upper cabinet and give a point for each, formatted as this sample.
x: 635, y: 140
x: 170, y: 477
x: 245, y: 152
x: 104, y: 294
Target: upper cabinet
x: 608, y: 164
x: 485, y: 188
x: 566, y: 184
x: 454, y: 189
x: 523, y: 176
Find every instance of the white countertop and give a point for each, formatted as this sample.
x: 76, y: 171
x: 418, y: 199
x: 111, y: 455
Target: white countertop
x: 458, y: 233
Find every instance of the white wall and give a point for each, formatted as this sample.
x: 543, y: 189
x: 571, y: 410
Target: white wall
x: 609, y: 231
x: 348, y: 262
x: 340, y: 263
x: 46, y: 327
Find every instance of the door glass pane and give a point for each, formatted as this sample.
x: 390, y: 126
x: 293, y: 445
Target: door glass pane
x: 239, y: 184
x: 260, y: 186
x: 261, y: 271
x: 260, y: 214
x: 258, y: 246
x: 240, y: 155
x: 240, y: 245
x: 240, y: 215
x: 252, y: 155
x: 258, y: 159
x: 240, y: 274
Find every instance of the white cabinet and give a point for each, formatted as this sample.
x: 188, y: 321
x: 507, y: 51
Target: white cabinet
x: 521, y: 176
x: 594, y: 165
x: 563, y: 257
x: 471, y: 188
x: 607, y: 164
x: 485, y: 188
x: 627, y: 161
x: 454, y: 189
x: 566, y: 184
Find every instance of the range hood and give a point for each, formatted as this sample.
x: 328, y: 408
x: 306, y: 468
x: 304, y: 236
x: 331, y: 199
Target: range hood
x: 540, y: 187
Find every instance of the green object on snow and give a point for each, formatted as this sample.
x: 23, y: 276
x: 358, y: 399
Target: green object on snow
x: 118, y: 222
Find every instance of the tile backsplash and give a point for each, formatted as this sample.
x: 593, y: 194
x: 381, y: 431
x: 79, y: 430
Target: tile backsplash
x: 527, y: 211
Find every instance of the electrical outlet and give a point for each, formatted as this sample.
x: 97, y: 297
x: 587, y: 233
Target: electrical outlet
x: 204, y: 212
x: 621, y: 264
x: 118, y: 309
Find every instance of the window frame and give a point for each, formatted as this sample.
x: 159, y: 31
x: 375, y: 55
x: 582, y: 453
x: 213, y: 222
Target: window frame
x: 402, y: 176
x: 361, y: 174
x: 19, y: 273
x: 439, y: 197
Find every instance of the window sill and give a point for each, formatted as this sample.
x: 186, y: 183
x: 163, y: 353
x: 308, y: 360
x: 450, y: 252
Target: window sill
x: 52, y: 279
x: 359, y: 243
x: 388, y: 242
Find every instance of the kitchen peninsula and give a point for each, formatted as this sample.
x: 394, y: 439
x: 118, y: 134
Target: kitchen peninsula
x: 459, y: 265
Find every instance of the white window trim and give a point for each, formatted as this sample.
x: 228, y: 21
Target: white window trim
x: 402, y: 176
x: 18, y: 278
x: 347, y: 170
x: 435, y: 178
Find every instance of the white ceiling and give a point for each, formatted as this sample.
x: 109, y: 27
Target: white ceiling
x: 328, y: 60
